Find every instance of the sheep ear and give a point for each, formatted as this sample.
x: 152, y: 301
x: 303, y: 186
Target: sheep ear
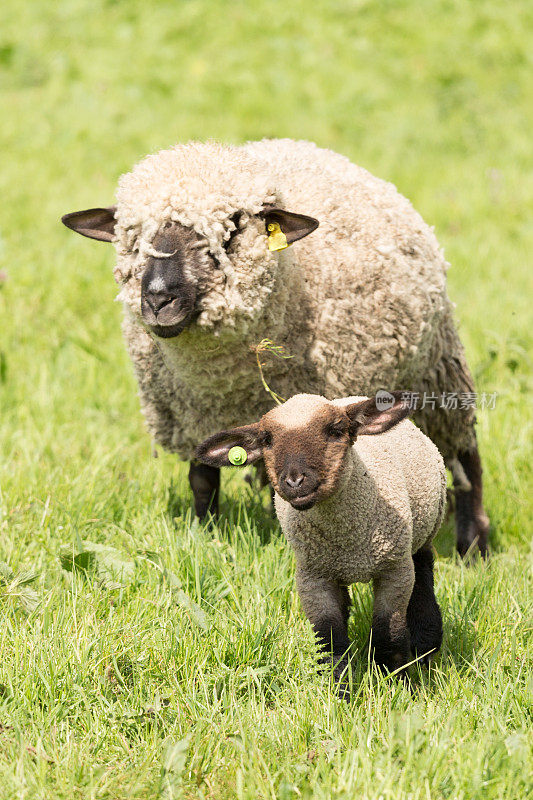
x: 378, y: 414
x: 95, y: 223
x: 215, y: 450
x: 294, y: 226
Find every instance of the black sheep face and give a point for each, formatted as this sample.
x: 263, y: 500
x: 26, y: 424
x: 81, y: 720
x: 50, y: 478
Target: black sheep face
x: 169, y: 285
x: 179, y: 263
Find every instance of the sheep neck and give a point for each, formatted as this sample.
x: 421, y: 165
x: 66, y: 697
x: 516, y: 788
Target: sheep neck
x: 205, y: 355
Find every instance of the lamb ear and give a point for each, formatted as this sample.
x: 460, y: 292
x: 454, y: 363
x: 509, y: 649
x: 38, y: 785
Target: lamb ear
x: 95, y: 223
x: 294, y: 226
x: 214, y: 450
x: 377, y: 414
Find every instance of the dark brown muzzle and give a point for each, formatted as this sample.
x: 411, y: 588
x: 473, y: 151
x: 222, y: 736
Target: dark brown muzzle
x: 298, y: 482
x: 168, y: 295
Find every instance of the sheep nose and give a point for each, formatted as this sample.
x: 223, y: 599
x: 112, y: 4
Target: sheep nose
x: 158, y: 300
x: 294, y: 482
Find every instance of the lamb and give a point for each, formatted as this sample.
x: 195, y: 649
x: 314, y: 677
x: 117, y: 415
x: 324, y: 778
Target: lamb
x: 354, y: 510
x: 202, y: 233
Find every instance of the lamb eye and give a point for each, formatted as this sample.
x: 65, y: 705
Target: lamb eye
x: 334, y: 432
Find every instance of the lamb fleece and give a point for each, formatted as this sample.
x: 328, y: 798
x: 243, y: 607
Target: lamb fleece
x: 360, y: 303
x: 389, y: 503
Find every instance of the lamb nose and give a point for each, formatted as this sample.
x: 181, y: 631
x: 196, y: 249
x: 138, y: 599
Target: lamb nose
x: 294, y: 483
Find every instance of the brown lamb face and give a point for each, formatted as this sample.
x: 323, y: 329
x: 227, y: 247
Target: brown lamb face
x: 303, y: 443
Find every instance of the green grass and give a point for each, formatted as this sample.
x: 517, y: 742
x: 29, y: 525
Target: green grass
x: 198, y: 677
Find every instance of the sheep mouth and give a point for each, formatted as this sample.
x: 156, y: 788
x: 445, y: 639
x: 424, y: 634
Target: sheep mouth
x: 168, y: 326
x: 168, y: 331
x: 166, y: 318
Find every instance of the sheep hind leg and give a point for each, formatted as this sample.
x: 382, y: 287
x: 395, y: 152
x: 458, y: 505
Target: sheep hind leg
x: 471, y: 521
x: 450, y: 423
x: 424, y: 619
x: 454, y: 435
x: 205, y: 485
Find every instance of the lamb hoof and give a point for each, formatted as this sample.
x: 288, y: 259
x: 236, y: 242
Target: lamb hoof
x: 343, y: 691
x: 393, y: 663
x: 424, y: 660
x: 341, y: 678
x: 426, y: 636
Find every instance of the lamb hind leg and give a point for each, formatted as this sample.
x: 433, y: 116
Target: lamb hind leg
x: 346, y: 604
x: 205, y: 485
x: 424, y: 619
x: 390, y: 634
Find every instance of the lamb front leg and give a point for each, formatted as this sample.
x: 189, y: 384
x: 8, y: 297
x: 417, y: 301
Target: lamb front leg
x: 326, y: 606
x: 390, y: 635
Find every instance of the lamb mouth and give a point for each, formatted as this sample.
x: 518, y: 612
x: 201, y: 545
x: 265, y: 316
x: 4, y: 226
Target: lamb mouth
x: 305, y: 502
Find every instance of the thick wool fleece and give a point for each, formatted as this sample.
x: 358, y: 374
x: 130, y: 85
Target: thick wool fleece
x: 360, y: 303
x: 389, y: 503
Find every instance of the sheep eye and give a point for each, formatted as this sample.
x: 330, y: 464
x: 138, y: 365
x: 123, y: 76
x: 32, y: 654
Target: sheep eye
x: 334, y: 432
x: 267, y: 439
x: 236, y: 219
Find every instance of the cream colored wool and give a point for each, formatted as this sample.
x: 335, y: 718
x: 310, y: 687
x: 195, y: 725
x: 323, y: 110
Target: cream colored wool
x: 361, y: 303
x: 389, y: 503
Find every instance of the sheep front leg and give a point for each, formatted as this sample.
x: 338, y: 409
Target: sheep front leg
x: 390, y: 635
x: 205, y: 484
x: 326, y: 606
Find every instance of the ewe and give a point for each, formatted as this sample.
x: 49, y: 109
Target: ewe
x: 201, y: 232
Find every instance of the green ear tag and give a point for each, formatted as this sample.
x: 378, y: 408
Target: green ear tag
x: 237, y: 456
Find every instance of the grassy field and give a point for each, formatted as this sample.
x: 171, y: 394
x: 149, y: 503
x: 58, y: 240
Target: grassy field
x: 196, y: 677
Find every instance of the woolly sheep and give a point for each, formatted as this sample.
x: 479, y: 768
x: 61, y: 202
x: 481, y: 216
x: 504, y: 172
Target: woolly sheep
x: 360, y: 304
x: 354, y: 510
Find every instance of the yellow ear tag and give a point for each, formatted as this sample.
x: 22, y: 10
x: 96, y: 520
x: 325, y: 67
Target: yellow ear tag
x: 276, y: 238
